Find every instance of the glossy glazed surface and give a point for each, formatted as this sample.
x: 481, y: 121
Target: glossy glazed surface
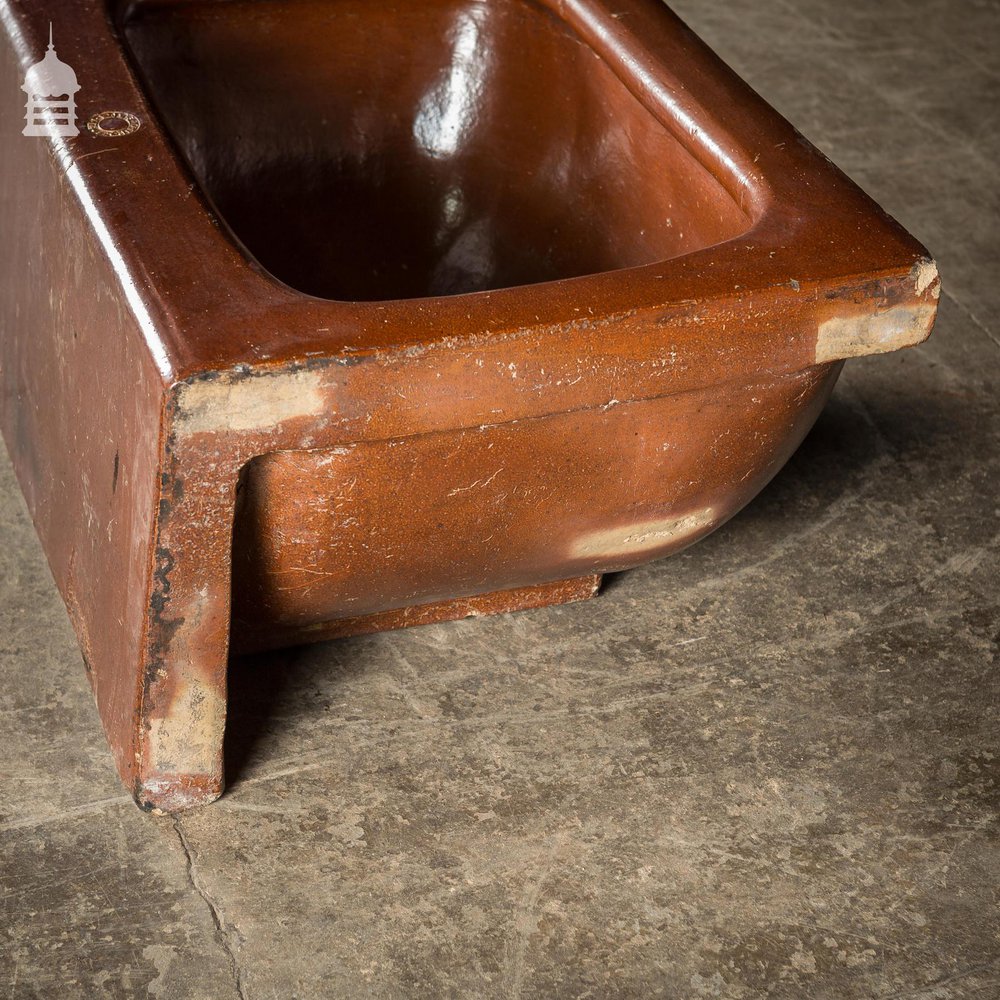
x: 323, y: 536
x: 227, y: 389
x: 369, y: 149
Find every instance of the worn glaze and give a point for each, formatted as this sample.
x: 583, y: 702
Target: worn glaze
x: 405, y: 324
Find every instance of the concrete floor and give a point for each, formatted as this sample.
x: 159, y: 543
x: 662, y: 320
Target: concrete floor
x: 766, y: 767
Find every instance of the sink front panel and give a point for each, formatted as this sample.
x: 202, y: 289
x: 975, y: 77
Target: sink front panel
x: 365, y: 528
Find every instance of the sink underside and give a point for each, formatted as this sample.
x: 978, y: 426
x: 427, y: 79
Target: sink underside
x: 366, y: 149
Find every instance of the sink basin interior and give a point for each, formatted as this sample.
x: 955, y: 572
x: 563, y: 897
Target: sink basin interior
x: 375, y: 149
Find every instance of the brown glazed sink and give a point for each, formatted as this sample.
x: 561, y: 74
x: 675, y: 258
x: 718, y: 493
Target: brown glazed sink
x: 437, y: 171
x: 393, y: 313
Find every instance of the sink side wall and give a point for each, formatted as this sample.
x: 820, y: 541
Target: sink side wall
x: 80, y: 401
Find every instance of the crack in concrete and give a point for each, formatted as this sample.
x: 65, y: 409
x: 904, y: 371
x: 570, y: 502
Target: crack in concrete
x: 224, y: 931
x: 976, y: 321
x: 926, y: 991
x: 524, y: 923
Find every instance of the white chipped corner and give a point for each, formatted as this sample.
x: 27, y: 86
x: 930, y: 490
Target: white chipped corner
x: 257, y: 403
x: 646, y: 536
x: 874, y: 333
x: 170, y: 794
x: 889, y: 330
x: 925, y: 275
x: 189, y: 740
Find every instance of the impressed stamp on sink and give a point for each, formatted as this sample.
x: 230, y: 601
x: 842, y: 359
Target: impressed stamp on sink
x: 113, y: 123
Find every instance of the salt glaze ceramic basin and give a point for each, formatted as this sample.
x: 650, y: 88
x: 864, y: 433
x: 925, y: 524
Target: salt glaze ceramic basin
x: 345, y: 315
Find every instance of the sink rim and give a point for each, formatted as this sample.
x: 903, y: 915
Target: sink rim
x: 163, y: 239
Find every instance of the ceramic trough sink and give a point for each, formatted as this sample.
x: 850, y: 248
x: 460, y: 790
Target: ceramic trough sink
x: 346, y: 315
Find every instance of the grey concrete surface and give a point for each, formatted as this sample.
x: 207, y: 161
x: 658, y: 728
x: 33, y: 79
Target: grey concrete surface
x: 766, y: 767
